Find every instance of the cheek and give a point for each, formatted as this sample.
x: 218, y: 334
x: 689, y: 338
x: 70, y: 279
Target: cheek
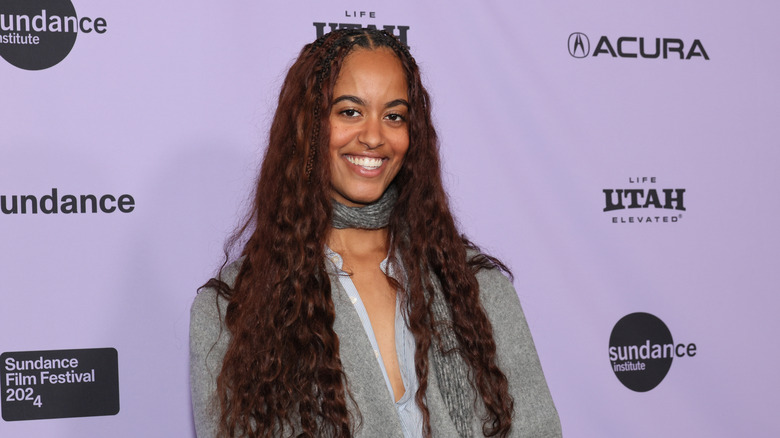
x: 334, y: 142
x: 401, y: 145
x: 339, y: 136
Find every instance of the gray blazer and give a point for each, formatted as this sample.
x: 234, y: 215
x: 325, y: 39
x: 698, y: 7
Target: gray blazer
x: 534, y: 416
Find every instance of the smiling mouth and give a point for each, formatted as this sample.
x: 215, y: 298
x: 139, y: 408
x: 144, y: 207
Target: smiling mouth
x: 367, y: 163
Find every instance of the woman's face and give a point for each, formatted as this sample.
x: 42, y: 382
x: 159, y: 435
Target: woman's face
x: 369, y: 132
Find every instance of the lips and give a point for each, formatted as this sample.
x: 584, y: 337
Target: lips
x: 368, y: 163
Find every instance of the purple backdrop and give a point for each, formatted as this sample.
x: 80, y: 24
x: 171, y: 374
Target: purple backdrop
x: 541, y: 107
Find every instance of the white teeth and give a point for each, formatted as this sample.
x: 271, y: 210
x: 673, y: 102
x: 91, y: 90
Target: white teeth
x: 365, y: 162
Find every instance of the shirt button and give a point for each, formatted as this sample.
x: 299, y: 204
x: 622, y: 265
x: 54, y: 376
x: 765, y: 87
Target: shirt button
x: 353, y: 299
x: 376, y: 353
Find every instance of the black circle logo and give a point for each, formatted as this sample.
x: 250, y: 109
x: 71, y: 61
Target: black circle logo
x: 37, y: 34
x: 641, y: 350
x: 579, y: 45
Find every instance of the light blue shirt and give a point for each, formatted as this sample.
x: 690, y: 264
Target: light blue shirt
x: 408, y: 412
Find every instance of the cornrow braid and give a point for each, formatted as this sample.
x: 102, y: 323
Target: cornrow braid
x: 331, y: 44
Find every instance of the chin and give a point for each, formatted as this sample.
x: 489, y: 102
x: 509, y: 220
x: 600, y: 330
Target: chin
x: 358, y: 199
x: 364, y: 200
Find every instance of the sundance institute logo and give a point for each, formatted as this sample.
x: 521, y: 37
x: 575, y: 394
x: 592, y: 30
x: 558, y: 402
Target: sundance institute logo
x: 641, y: 350
x: 38, y: 34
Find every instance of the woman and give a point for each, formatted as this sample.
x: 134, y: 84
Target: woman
x: 357, y: 309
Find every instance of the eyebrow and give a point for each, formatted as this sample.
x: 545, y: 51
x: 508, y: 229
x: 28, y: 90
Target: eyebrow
x: 358, y: 101
x: 397, y: 102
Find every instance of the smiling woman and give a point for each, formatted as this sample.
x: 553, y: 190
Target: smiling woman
x: 357, y: 308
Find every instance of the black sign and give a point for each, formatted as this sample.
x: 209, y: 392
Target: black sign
x: 641, y: 350
x: 59, y: 383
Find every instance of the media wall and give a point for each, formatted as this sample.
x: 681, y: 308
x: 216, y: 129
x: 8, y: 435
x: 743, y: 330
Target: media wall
x: 619, y: 156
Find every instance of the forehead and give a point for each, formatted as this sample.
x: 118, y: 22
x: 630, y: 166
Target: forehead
x: 371, y: 69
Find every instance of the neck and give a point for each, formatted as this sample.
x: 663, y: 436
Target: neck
x: 358, y: 242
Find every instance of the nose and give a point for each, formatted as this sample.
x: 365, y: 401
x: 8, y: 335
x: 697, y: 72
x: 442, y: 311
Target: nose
x: 371, y: 136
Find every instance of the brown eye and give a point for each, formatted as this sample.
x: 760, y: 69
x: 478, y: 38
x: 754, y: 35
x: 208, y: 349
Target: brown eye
x: 350, y: 112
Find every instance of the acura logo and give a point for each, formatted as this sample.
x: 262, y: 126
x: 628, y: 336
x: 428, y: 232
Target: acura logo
x: 579, y: 45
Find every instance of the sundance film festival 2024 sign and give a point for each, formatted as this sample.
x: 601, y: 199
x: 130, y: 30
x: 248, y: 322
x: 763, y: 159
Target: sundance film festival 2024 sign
x: 59, y: 383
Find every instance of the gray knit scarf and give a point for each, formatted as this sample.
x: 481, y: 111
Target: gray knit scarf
x: 451, y: 370
x: 370, y: 217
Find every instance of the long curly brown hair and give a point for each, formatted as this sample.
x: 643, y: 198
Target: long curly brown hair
x: 282, y: 372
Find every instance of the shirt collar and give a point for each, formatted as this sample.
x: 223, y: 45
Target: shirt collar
x: 338, y: 263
